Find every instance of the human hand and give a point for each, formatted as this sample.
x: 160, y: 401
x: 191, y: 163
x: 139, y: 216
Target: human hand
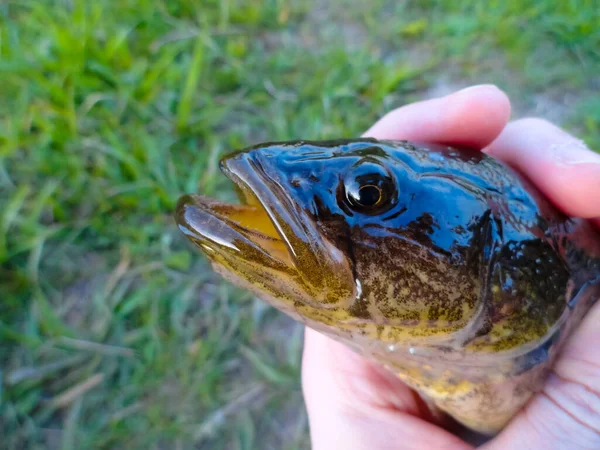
x: 354, y: 404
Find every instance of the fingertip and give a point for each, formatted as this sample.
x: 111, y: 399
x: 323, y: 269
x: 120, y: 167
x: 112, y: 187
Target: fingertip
x: 472, y: 117
x: 477, y: 115
x: 560, y: 165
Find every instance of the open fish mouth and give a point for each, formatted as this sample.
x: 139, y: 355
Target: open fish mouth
x: 234, y: 231
x: 267, y: 236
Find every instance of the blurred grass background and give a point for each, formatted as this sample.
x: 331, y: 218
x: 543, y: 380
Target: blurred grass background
x: 113, y: 331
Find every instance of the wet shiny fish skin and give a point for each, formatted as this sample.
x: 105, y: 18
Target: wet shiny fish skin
x: 440, y: 263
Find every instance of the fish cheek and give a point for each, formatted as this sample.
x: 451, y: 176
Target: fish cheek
x: 406, y: 284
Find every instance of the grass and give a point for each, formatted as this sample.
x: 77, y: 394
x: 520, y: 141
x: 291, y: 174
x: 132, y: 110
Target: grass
x: 113, y: 331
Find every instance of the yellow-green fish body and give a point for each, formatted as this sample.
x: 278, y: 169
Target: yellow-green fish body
x: 440, y: 263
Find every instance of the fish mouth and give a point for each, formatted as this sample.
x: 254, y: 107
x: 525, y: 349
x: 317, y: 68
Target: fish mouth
x: 232, y: 231
x: 267, y: 238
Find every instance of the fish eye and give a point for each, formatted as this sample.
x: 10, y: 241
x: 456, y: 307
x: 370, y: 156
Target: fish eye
x: 370, y: 190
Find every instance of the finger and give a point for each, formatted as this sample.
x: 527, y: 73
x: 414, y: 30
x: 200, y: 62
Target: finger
x: 472, y: 117
x: 566, y: 415
x: 334, y: 373
x: 355, y: 404
x: 561, y: 166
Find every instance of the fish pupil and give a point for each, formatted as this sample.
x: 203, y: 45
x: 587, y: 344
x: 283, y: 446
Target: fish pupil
x: 369, y: 195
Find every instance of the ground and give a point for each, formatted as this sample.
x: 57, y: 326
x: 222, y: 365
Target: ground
x: 114, y: 333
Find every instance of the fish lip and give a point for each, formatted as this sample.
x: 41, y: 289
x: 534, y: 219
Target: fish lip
x: 318, y: 266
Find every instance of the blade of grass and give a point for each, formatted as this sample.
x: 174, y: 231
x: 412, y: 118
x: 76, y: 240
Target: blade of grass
x: 191, y: 82
x: 74, y: 393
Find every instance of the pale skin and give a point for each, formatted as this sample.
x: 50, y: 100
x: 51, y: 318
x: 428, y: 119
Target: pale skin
x: 354, y: 404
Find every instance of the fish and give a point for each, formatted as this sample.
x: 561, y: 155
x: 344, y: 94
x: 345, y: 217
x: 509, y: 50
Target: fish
x: 440, y: 263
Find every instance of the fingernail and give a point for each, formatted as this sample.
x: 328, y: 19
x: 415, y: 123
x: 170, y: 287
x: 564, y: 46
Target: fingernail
x: 572, y: 153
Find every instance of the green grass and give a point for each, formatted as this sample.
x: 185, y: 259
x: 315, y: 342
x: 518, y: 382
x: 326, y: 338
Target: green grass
x: 113, y: 331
